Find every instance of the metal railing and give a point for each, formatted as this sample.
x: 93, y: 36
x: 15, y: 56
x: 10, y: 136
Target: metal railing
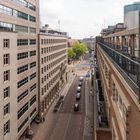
x: 128, y: 65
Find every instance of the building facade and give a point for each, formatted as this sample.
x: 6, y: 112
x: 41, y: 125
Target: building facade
x: 52, y: 68
x: 131, y: 15
x: 117, y: 59
x: 19, y: 27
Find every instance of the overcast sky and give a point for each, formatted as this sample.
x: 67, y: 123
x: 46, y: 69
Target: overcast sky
x: 82, y: 18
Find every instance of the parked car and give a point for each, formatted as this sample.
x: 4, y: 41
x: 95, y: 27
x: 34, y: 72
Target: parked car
x: 81, y: 78
x: 80, y: 84
x: 78, y: 95
x: 78, y: 89
x: 76, y: 107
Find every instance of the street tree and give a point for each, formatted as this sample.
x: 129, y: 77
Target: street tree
x: 80, y: 49
x: 71, y: 53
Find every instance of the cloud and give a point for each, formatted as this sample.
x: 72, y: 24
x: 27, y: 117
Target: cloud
x: 82, y: 18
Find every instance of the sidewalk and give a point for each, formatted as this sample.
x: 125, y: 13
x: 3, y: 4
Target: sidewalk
x: 41, y: 129
x: 88, y: 129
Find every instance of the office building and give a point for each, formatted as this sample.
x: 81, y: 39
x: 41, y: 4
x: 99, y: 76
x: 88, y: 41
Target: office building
x: 52, y: 67
x: 18, y: 66
x: 117, y: 74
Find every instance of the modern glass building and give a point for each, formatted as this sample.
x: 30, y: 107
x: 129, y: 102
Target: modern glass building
x: 131, y: 15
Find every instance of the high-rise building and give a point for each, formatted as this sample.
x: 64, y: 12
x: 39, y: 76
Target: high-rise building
x: 52, y: 67
x: 19, y: 27
x: 131, y: 15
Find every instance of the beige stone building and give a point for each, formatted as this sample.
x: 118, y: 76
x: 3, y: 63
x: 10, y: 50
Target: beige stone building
x: 18, y: 66
x: 118, y: 67
x: 52, y: 67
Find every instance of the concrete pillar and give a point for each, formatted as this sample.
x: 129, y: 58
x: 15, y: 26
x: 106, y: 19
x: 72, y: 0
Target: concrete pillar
x: 132, y: 47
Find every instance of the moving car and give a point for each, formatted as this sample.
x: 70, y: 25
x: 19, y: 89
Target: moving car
x: 76, y: 107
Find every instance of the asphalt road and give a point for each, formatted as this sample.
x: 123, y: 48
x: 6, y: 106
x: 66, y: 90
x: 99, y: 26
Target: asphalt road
x: 70, y: 124
x: 67, y: 124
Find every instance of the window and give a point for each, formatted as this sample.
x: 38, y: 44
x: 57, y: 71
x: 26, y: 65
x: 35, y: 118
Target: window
x: 6, y: 59
x: 22, y: 110
x: 32, y: 87
x: 31, y: 6
x: 22, y: 2
x: 20, y: 14
x: 32, y: 76
x: 32, y: 100
x: 33, y: 64
x: 20, y: 28
x: 32, y: 30
x: 32, y: 18
x: 7, y: 127
x: 22, y: 55
x: 6, y: 92
x: 6, y: 43
x: 32, y: 41
x: 33, y: 112
x: 22, y: 42
x: 22, y: 69
x: 6, y: 75
x: 24, y: 122
x: 22, y: 82
x: 22, y: 95
x: 32, y: 53
x: 6, y: 26
x: 5, y: 10
x: 7, y: 109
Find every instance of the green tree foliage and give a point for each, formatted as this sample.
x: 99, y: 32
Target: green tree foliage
x: 79, y: 49
x: 71, y: 53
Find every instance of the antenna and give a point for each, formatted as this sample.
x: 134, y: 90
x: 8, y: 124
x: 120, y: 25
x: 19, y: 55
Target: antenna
x: 59, y: 25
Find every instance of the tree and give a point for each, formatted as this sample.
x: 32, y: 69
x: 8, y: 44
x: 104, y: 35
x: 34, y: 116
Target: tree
x: 71, y: 53
x: 80, y: 49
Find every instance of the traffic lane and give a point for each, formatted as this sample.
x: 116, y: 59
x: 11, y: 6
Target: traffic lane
x: 75, y: 126
x: 65, y: 116
x: 58, y: 132
x: 70, y: 98
x: 74, y: 129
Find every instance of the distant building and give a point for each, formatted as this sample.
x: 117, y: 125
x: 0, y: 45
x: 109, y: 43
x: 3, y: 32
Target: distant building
x: 113, y: 29
x: 90, y: 42
x: 131, y: 13
x: 71, y: 42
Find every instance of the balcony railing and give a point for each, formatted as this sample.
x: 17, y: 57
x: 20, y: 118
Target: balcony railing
x: 128, y: 65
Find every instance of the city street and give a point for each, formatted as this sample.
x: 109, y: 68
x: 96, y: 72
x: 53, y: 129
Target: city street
x: 66, y: 124
x: 69, y: 124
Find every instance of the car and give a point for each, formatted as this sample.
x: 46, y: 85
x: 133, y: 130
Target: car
x: 81, y: 78
x: 78, y: 89
x: 78, y: 95
x: 80, y: 83
x: 76, y: 107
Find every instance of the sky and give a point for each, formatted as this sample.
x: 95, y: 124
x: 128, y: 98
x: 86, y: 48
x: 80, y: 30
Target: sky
x: 82, y: 18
